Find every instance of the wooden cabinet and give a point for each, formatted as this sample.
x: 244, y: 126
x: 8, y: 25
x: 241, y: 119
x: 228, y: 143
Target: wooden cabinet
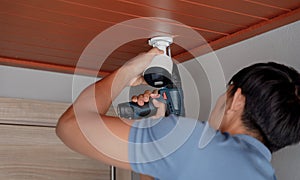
x: 31, y: 152
x: 30, y: 149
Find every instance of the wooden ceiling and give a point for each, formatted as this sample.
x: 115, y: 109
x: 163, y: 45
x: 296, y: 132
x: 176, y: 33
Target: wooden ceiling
x: 52, y: 34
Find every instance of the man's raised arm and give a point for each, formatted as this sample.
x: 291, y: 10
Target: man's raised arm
x: 85, y: 128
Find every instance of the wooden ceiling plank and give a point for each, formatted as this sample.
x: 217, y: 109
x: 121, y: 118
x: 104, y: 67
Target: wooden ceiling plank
x: 117, y: 58
x: 134, y: 48
x: 267, y: 5
x: 71, y: 26
x: 208, y: 36
x: 94, y: 22
x: 28, y: 38
x: 75, y: 10
x: 188, y: 19
x: 68, y: 25
x: 156, y: 5
x: 55, y: 17
x: 286, y: 4
x: 50, y: 67
x: 20, y: 36
x: 115, y: 14
x: 203, y: 12
x: 254, y: 30
x: 40, y: 40
x: 20, y: 24
x: 84, y: 17
x: 28, y: 41
x: 38, y: 50
x: 242, y: 8
x: 115, y: 61
x: 140, y: 13
x: 32, y: 48
x: 133, y: 15
x: 225, y: 10
x: 178, y: 6
x: 38, y: 56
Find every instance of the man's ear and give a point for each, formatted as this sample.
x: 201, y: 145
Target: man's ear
x: 238, y: 101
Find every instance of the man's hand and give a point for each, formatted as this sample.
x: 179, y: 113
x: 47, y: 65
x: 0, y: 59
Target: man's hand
x: 142, y: 61
x: 142, y: 98
x: 138, y: 64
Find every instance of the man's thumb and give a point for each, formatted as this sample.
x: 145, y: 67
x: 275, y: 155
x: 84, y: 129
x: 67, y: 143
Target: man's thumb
x: 161, y: 107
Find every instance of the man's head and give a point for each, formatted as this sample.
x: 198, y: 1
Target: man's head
x: 271, y: 106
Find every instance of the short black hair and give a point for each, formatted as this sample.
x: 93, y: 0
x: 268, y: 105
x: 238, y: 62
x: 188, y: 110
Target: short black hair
x: 272, y: 105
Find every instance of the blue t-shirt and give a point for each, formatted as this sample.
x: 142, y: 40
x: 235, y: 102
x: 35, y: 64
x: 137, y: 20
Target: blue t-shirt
x: 168, y: 148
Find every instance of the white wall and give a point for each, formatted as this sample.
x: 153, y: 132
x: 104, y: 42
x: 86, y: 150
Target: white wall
x: 40, y: 85
x: 281, y: 45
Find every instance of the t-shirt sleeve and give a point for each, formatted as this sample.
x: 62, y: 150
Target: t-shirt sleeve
x: 153, y: 143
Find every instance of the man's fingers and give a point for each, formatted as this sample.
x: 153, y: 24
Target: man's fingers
x: 156, y: 51
x: 147, y: 94
x: 154, y: 96
x: 134, y: 98
x: 140, y: 100
x: 146, y: 97
x: 155, y: 91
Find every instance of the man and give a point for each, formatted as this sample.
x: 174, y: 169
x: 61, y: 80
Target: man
x: 259, y: 114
